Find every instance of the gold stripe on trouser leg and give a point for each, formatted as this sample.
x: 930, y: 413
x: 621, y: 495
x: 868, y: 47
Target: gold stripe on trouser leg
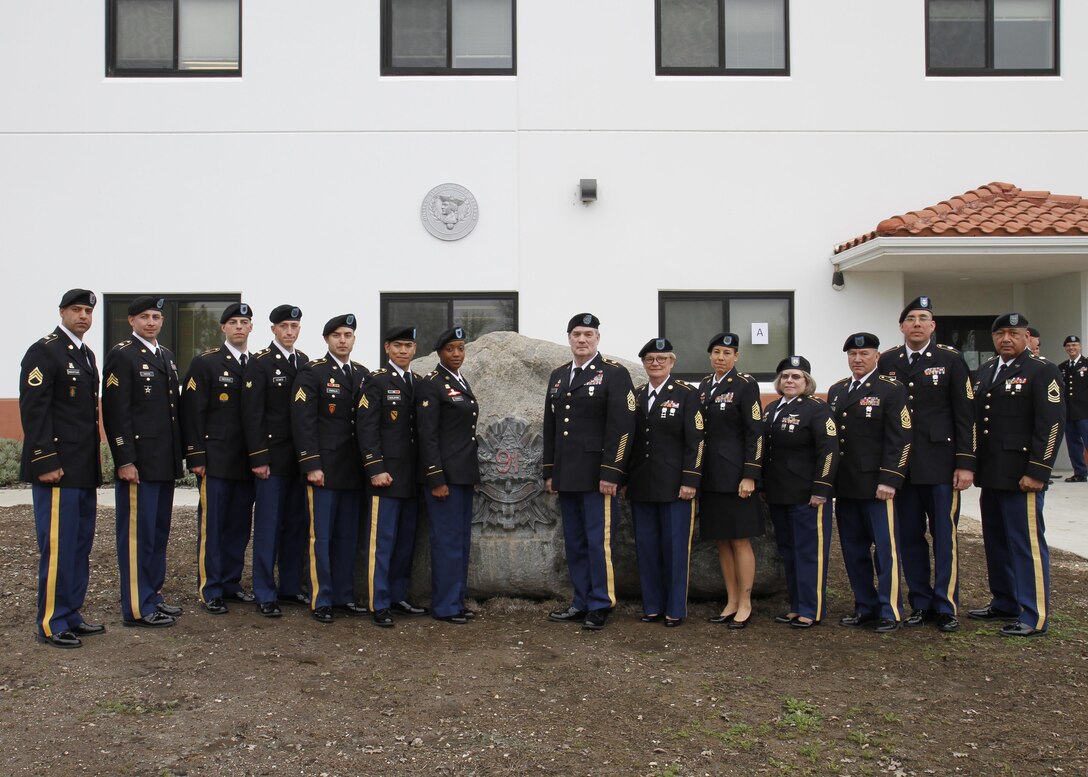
x: 608, y: 550
x: 51, y: 575
x: 1036, y: 561
x: 953, y: 578
x: 691, y: 536
x: 893, y: 598
x: 819, y: 562
x: 202, y: 550
x: 133, y: 556
x: 313, y: 553
x: 372, y: 551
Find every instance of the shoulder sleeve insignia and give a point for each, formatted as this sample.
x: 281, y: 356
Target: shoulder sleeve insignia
x: 631, y: 401
x: 300, y: 395
x: 832, y: 430
x: 756, y: 415
x: 904, y: 417
x: 699, y: 420
x: 112, y: 381
x: 191, y: 385
x: 364, y: 402
x: 35, y: 378
x: 1053, y: 393
x: 970, y: 391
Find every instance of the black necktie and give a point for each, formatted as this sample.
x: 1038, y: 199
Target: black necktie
x: 999, y: 374
x: 408, y: 378
x: 781, y: 407
x: 855, y: 386
x: 162, y: 359
x: 243, y: 359
x: 577, y: 372
x: 291, y: 361
x: 912, y: 358
x: 346, y: 369
x: 650, y: 400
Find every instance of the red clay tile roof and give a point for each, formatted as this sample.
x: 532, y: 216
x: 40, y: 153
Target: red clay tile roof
x: 995, y: 210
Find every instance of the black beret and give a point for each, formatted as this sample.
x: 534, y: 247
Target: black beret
x: 1007, y: 320
x: 451, y: 334
x: 78, y: 297
x: 236, y: 310
x: 918, y: 303
x: 726, y: 339
x: 861, y: 340
x: 794, y: 362
x: 348, y: 320
x: 1033, y: 332
x: 1071, y: 339
x: 583, y: 319
x: 140, y: 304
x: 400, y: 333
x: 657, y: 345
x: 282, y: 313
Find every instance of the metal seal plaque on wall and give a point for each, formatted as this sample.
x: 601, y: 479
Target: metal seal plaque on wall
x: 449, y: 211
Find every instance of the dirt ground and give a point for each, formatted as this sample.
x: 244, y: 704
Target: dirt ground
x: 512, y: 694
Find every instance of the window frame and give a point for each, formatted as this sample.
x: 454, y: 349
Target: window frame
x: 722, y: 70
x: 113, y: 71
x: 449, y: 297
x: 725, y: 296
x: 989, y: 69
x: 388, y: 69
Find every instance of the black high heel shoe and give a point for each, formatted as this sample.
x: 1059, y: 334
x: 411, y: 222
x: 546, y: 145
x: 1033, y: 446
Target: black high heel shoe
x: 723, y: 618
x: 736, y: 624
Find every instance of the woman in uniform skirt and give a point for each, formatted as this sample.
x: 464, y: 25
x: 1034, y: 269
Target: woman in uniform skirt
x: 728, y: 514
x: 799, y: 462
x: 662, y: 480
x: 446, y: 415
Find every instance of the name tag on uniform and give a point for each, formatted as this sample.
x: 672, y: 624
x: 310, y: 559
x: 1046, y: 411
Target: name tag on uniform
x: 147, y: 373
x: 332, y: 391
x: 392, y: 395
x: 226, y: 380
x: 71, y: 371
x: 279, y: 380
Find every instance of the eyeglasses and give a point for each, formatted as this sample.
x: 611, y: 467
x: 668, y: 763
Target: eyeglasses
x: 791, y: 376
x: 655, y: 359
x: 917, y: 319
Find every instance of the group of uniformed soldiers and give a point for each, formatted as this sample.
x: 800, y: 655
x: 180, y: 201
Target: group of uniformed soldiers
x: 293, y: 452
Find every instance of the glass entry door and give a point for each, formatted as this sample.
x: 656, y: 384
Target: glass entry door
x: 970, y: 335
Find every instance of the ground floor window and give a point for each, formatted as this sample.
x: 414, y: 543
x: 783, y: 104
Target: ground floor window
x: 431, y: 314
x: 190, y: 322
x: 763, y: 320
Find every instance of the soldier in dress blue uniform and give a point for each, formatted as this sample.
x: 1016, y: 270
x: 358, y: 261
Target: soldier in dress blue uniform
x: 323, y: 400
x: 446, y: 416
x: 215, y: 451
x: 58, y: 407
x: 800, y: 460
x: 589, y: 420
x: 280, y: 526
x: 1020, y: 416
x: 140, y: 403
x: 387, y: 439
x: 666, y: 466
x: 1075, y: 377
x: 875, y: 438
x: 942, y: 463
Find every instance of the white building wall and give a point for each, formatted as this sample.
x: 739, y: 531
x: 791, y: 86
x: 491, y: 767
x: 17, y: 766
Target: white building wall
x: 302, y: 180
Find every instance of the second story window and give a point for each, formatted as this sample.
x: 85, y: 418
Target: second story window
x: 991, y: 37
x: 722, y: 37
x: 449, y: 37
x: 174, y: 38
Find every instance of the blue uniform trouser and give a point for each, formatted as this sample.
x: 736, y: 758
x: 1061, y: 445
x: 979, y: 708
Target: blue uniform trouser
x: 803, y: 535
x: 279, y: 537
x: 223, y: 518
x: 143, y: 530
x: 935, y: 508
x: 334, y: 533
x: 869, y: 538
x: 1017, y: 557
x: 64, y: 522
x: 663, y: 532
x: 587, y: 536
x: 1076, y: 437
x: 391, y: 541
x: 451, y: 541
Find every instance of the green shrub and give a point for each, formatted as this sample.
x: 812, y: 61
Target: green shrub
x: 10, y: 452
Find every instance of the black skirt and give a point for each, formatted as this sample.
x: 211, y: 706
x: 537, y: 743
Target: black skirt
x: 728, y: 517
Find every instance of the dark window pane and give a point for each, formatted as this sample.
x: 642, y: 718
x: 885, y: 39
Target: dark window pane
x: 429, y: 317
x: 775, y: 313
x: 198, y: 329
x: 1023, y: 34
x: 689, y: 324
x: 419, y: 33
x: 957, y: 33
x: 145, y: 34
x: 480, y: 316
x: 208, y: 35
x: 755, y: 34
x: 689, y: 33
x: 482, y: 34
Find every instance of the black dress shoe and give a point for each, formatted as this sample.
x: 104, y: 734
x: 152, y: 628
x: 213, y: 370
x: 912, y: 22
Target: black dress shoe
x: 569, y: 615
x: 990, y: 614
x: 404, y: 607
x: 269, y: 609
x: 739, y: 624
x: 351, y: 608
x: 88, y: 629
x: 240, y: 596
x: 383, y: 618
x: 299, y: 599
x: 596, y: 620
x: 784, y: 618
x: 156, y: 620
x: 947, y: 622
x: 1076, y: 479
x: 169, y: 609
x: 886, y: 626
x: 797, y: 623
x: 723, y: 618
x: 322, y: 615
x: 459, y: 619
x: 855, y: 620
x: 672, y: 623
x: 650, y: 618
x: 1019, y: 629
x: 215, y: 607
x: 918, y: 617
x: 468, y: 614
x: 62, y: 639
